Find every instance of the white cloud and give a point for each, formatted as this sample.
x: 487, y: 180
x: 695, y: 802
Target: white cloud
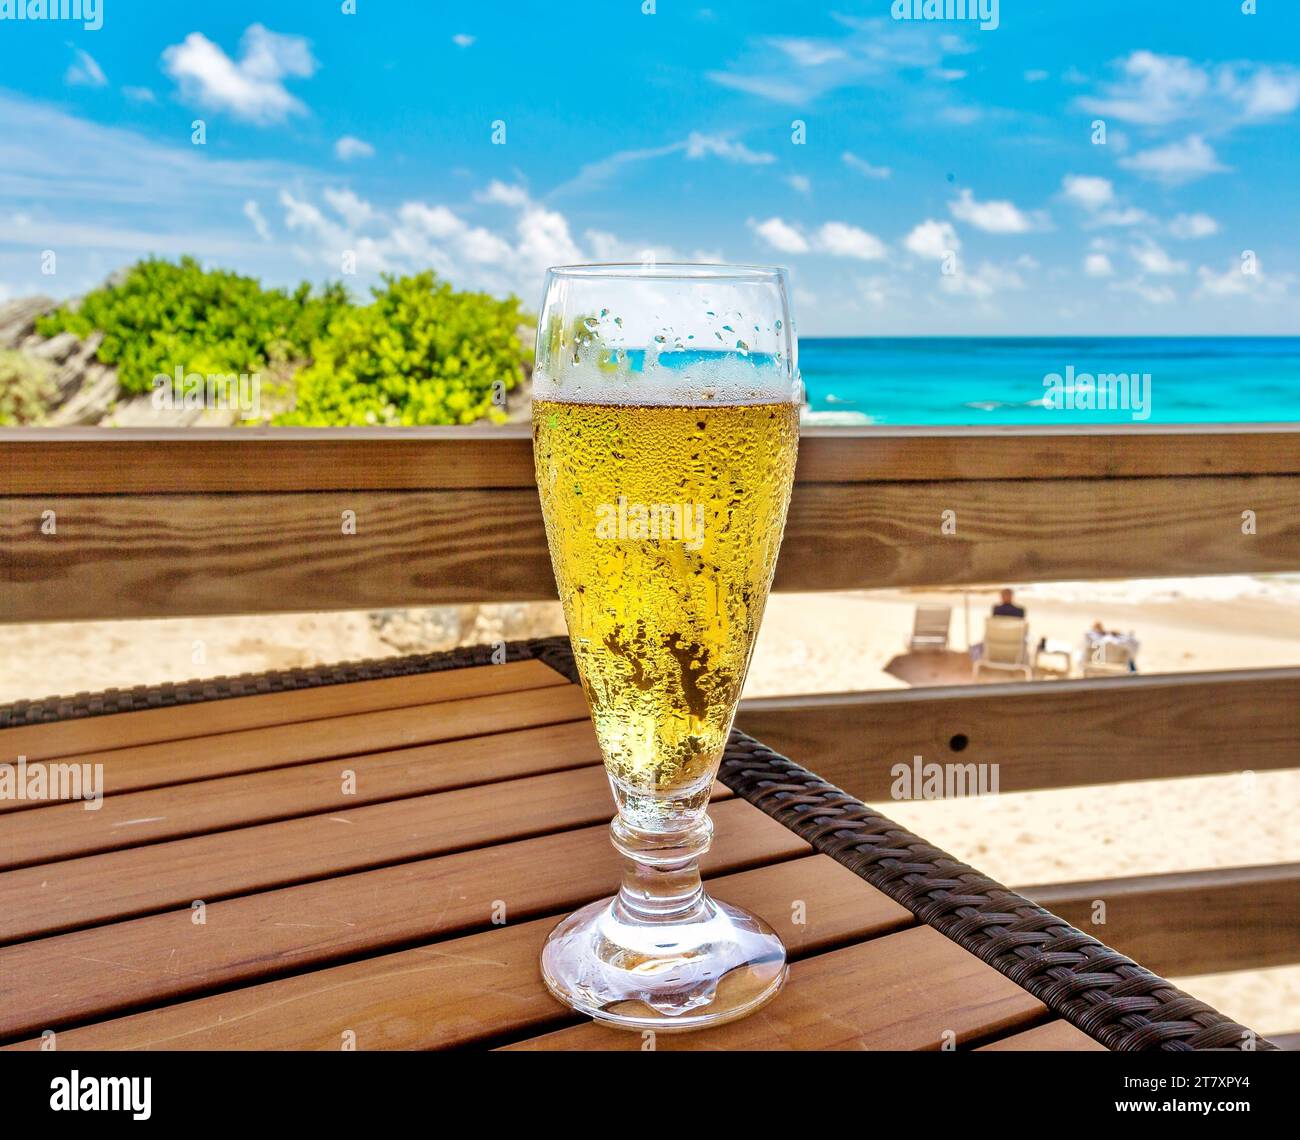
x: 353, y: 210
x: 1096, y: 197
x: 986, y: 281
x: 84, y: 71
x: 1128, y: 216
x: 838, y: 239
x: 1186, y: 227
x: 1155, y: 260
x: 1088, y: 191
x: 948, y: 74
x: 932, y: 239
x: 544, y: 240
x: 1097, y: 265
x: 252, y: 88
x: 1156, y: 90
x: 1176, y: 162
x: 504, y: 194
x: 254, y: 214
x: 862, y: 166
x: 842, y: 240
x: 701, y: 145
x: 696, y: 146
x: 796, y: 70
x: 461, y: 40
x: 1161, y: 294
x: 139, y: 94
x: 800, y: 183
x: 349, y: 147
x: 1231, y: 283
x: 1036, y: 75
x: 780, y: 235
x: 993, y: 216
x: 808, y: 52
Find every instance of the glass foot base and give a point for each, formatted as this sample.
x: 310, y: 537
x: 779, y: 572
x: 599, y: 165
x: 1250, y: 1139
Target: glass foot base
x: 714, y: 965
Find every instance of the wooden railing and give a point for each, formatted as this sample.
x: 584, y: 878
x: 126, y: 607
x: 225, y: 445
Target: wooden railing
x: 97, y: 524
x: 193, y: 522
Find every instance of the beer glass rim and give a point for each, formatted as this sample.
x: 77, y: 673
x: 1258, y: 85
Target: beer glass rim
x: 704, y: 271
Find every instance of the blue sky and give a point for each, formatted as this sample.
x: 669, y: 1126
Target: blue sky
x: 948, y: 181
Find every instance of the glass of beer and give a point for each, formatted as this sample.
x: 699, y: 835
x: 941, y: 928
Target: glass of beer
x: 665, y: 426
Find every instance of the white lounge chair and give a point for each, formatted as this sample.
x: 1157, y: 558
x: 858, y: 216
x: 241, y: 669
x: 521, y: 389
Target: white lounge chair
x: 1006, y: 647
x: 930, y: 629
x: 1108, y: 657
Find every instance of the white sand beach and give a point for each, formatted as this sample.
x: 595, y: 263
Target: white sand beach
x: 835, y: 643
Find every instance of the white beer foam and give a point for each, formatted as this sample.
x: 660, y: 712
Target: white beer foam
x: 704, y: 383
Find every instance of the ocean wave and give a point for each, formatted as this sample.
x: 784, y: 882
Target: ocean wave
x: 841, y: 419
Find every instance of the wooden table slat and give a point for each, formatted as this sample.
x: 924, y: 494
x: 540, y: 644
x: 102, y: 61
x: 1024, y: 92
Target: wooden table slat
x: 900, y: 992
x: 53, y: 897
x: 70, y: 978
x: 466, y: 990
x: 277, y: 746
x: 385, y: 858
x: 1054, y: 1035
x: 209, y: 717
x: 64, y: 830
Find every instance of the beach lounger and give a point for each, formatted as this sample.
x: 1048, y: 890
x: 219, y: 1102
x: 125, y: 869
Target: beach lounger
x: 930, y: 629
x: 1005, y: 647
x: 1109, y: 657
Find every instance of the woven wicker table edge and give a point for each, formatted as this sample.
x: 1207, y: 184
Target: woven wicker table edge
x: 553, y: 651
x: 1103, y: 993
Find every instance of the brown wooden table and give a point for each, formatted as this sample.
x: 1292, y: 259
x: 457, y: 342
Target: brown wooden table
x: 372, y: 856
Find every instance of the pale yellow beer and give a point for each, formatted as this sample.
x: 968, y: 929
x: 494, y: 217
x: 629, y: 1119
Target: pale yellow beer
x: 664, y: 524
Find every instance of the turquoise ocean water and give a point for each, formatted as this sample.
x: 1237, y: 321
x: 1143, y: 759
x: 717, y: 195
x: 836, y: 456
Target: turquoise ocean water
x: 979, y: 381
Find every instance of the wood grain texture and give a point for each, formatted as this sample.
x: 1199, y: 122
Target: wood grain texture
x: 1193, y: 922
x: 151, y: 556
x: 1055, y: 1036
x: 72, y: 978
x: 130, y: 819
x: 280, y: 745
x: 208, y: 717
x: 73, y: 461
x: 468, y: 990
x: 52, y: 897
x: 1063, y: 734
x: 899, y: 992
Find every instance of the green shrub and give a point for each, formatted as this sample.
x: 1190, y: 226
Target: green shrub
x: 420, y: 353
x: 26, y: 388
x: 163, y: 315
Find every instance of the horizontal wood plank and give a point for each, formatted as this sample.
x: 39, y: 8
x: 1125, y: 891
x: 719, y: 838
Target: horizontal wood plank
x: 208, y: 717
x: 281, y: 745
x: 73, y: 461
x: 52, y: 897
x: 73, y: 978
x: 1064, y: 734
x: 148, y: 556
x: 902, y: 991
x: 130, y: 819
x: 1055, y: 1036
x: 1194, y: 922
x: 471, y: 989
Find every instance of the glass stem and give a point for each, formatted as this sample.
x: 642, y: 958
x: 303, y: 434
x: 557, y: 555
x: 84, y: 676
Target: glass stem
x: 661, y: 872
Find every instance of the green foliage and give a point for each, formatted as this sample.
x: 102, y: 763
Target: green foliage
x: 164, y: 315
x: 420, y: 353
x: 26, y: 388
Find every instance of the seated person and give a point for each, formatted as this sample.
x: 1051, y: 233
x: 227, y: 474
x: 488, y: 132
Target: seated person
x: 1007, y: 607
